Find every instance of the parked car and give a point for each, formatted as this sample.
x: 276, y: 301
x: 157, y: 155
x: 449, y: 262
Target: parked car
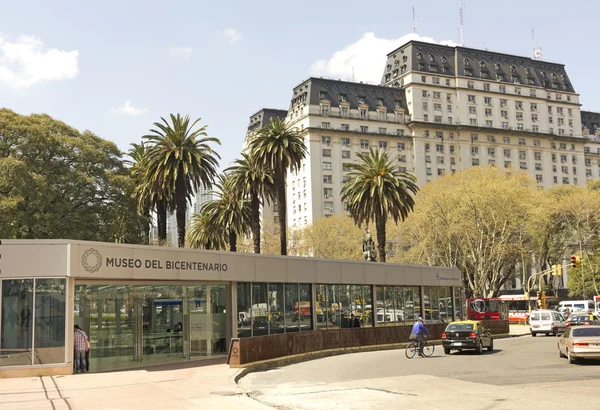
x: 580, y: 342
x: 547, y: 322
x: 467, y: 335
x: 579, y: 319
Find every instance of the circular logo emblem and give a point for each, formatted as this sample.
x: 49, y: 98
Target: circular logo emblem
x: 91, y: 260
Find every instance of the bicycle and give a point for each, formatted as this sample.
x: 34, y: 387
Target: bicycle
x: 413, y: 348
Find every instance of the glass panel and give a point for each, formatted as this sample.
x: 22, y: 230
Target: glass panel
x: 243, y: 309
x: 276, y: 308
x: 409, y: 306
x: 380, y: 298
x: 399, y: 306
x: 417, y: 302
x: 218, y: 303
x: 345, y: 308
x: 321, y: 292
x: 357, y: 302
x: 435, y: 304
x: 17, y: 322
x: 390, y: 308
x: 334, y: 314
x: 198, y: 320
x: 260, y: 320
x: 49, y: 321
x: 459, y: 303
x: 291, y: 316
x: 367, y: 293
x: 305, y: 307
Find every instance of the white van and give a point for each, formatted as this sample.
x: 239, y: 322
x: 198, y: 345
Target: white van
x: 547, y: 321
x: 586, y: 306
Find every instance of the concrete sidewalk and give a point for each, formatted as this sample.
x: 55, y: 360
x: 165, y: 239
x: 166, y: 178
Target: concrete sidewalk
x: 519, y: 330
x: 207, y: 386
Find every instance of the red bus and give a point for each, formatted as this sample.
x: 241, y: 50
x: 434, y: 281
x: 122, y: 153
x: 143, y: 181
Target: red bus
x: 515, y: 308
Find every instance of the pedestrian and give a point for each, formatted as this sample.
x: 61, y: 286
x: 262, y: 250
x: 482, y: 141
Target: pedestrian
x: 81, y: 346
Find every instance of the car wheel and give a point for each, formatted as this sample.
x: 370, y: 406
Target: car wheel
x: 533, y: 334
x: 554, y: 331
x: 560, y: 354
x: 487, y: 318
x: 571, y: 359
x: 491, y: 346
x: 447, y: 350
x: 547, y: 334
x: 479, y: 348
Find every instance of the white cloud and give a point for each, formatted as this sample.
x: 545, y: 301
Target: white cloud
x: 27, y: 62
x: 128, y: 109
x: 232, y: 35
x: 367, y: 56
x: 181, y: 52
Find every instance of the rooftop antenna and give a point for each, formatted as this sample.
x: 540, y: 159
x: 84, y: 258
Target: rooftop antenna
x: 462, y: 27
x: 537, y: 51
x: 485, y: 44
x: 352, y: 73
x: 414, y: 21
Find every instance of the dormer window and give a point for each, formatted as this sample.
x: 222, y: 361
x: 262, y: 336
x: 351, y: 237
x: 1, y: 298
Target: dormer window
x: 466, y: 62
x: 482, y: 64
x: 497, y: 66
x: 322, y: 95
x: 430, y: 57
x: 513, y: 69
x: 404, y: 59
x: 342, y: 98
x: 553, y: 76
x: 563, y: 77
x: 527, y: 70
x: 397, y: 104
x: 543, y: 74
x: 379, y: 102
x: 443, y: 60
x: 361, y: 100
x: 389, y: 67
x: 419, y: 56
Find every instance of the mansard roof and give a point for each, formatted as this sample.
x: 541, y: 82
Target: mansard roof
x: 314, y: 90
x: 439, y: 59
x: 263, y: 116
x: 590, y: 120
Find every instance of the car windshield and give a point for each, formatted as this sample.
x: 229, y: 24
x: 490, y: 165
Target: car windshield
x: 454, y: 327
x: 579, y: 318
x: 586, y: 331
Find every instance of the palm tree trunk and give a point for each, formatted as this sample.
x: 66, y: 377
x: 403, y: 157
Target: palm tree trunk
x: 161, y: 220
x: 255, y: 204
x: 281, y: 208
x: 232, y: 241
x: 146, y: 225
x: 380, y: 226
x: 181, y: 206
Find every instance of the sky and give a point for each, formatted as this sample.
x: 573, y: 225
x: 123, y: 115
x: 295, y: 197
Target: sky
x: 116, y: 67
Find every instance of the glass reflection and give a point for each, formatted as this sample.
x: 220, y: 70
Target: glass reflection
x: 260, y: 320
x: 276, y: 308
x: 380, y: 298
x: 49, y: 321
x: 305, y: 317
x: 321, y: 308
x: 244, y: 309
x: 292, y: 315
x: 367, y: 316
x: 17, y: 322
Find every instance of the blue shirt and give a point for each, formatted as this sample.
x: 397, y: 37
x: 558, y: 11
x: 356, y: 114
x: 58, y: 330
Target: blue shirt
x: 418, y: 328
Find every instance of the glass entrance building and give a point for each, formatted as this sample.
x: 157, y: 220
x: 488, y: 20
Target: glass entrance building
x: 144, y: 305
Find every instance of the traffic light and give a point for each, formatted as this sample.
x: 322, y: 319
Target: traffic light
x: 573, y: 261
x: 543, y: 304
x: 539, y: 298
x: 556, y: 270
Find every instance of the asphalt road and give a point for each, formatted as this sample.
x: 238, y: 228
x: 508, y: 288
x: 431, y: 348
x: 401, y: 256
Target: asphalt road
x: 521, y: 372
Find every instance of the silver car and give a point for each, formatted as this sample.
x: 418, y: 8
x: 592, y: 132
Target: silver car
x: 580, y: 342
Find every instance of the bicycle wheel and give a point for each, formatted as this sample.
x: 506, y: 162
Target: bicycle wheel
x: 411, y: 350
x: 428, y: 349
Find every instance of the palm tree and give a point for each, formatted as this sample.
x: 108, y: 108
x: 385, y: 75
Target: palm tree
x: 377, y: 189
x: 138, y: 164
x: 200, y: 236
x: 279, y: 148
x: 229, y: 215
x: 181, y: 161
x: 252, y: 181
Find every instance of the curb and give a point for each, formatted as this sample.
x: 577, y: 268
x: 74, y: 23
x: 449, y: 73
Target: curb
x: 271, y: 364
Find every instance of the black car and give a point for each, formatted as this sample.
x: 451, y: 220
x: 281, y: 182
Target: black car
x: 583, y: 319
x: 467, y: 335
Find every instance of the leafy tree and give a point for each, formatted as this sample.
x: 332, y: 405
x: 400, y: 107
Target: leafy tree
x: 279, y: 148
x: 180, y: 160
x: 57, y: 182
x: 474, y: 221
x: 229, y: 215
x: 377, y: 189
x: 253, y: 181
x: 336, y: 237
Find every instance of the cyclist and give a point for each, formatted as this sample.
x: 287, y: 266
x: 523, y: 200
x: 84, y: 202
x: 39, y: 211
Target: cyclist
x: 417, y: 333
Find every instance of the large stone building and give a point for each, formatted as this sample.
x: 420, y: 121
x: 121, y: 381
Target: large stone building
x: 442, y: 109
